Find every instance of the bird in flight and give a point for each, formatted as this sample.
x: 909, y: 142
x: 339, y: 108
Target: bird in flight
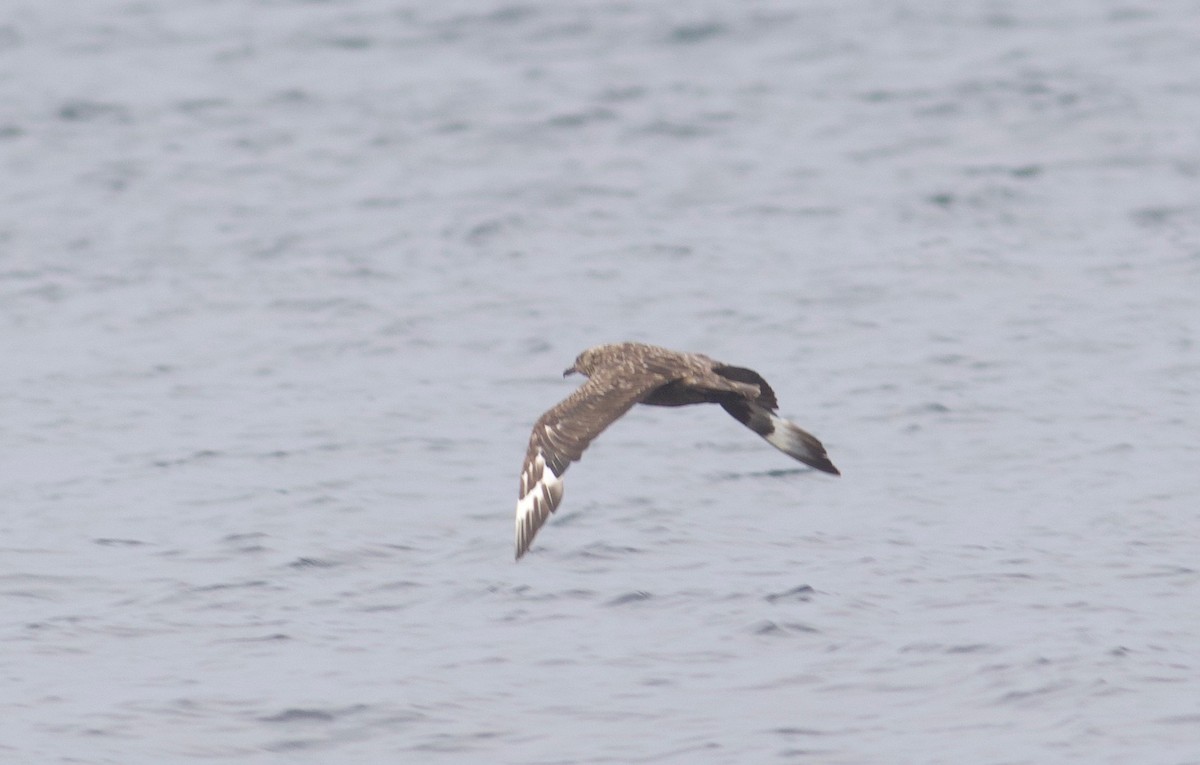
x: 623, y: 374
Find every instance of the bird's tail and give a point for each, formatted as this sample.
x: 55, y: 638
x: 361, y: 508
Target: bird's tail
x: 785, y: 436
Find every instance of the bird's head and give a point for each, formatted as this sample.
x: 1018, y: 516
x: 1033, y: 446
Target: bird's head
x: 584, y: 362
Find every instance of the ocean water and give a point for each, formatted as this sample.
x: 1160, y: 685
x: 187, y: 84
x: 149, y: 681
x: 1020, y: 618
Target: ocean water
x: 284, y: 284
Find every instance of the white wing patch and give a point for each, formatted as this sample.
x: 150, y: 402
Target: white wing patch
x: 793, y: 441
x: 541, y: 491
x: 784, y: 436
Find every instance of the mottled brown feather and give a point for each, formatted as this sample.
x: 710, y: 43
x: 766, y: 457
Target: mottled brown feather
x: 624, y: 374
x: 561, y: 435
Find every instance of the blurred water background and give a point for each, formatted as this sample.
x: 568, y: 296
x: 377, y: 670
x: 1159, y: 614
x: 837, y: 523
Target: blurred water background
x: 284, y: 284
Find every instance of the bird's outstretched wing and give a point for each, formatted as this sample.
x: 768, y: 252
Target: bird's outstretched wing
x: 560, y: 436
x: 759, y: 414
x: 784, y: 435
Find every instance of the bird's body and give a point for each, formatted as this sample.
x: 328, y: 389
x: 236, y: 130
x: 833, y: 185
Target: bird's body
x: 623, y: 374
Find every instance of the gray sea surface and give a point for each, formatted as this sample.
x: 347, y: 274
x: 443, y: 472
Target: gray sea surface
x: 285, y: 283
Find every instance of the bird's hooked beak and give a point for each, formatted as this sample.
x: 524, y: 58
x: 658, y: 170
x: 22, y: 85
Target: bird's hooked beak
x: 569, y: 371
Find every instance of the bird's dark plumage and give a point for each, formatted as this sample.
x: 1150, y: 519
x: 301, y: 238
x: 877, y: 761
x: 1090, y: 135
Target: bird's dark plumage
x: 624, y: 374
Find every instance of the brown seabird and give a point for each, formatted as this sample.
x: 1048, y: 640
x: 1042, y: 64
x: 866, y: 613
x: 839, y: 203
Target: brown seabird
x: 623, y: 374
